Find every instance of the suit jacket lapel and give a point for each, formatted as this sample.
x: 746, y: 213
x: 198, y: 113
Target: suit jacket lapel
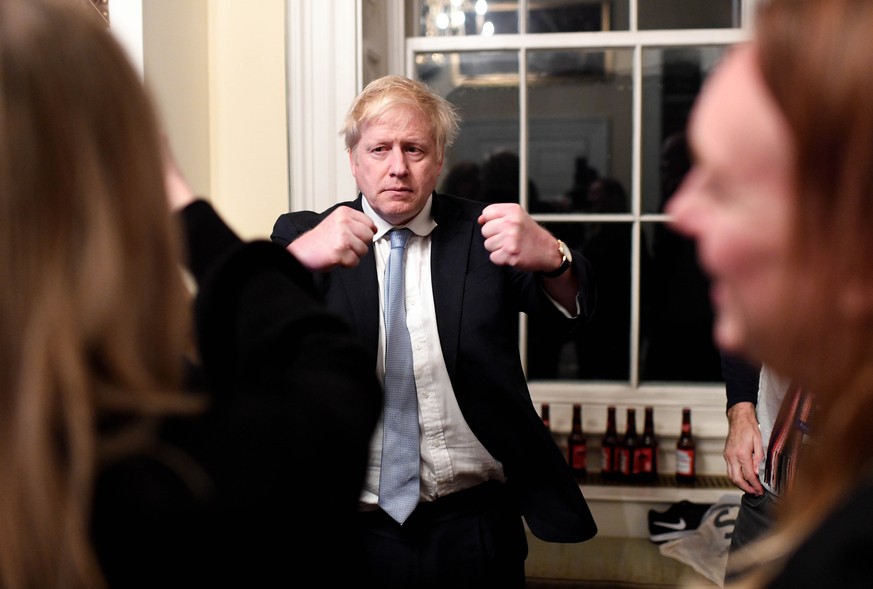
x: 450, y: 250
x: 361, y: 287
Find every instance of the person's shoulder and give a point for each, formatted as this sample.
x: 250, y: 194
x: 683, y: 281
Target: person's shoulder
x: 307, y: 219
x: 449, y: 205
x: 461, y: 201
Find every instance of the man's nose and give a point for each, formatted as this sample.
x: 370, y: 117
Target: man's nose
x: 398, y: 165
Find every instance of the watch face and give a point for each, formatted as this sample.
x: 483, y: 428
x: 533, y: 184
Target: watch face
x: 565, y: 251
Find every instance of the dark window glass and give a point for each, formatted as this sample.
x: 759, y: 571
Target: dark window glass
x: 483, y: 163
x: 675, y: 312
x: 577, y: 16
x: 580, y: 126
x: 688, y: 14
x: 599, y: 349
x: 672, y: 79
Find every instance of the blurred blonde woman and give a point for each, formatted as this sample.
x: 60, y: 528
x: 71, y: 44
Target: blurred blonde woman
x: 780, y: 203
x: 111, y: 474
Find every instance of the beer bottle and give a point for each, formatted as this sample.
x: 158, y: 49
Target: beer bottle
x: 577, y: 446
x: 544, y: 413
x: 648, y: 453
x: 629, y: 446
x: 685, y: 451
x: 609, y: 448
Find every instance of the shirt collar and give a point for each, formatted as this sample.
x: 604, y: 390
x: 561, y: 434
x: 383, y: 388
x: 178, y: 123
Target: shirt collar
x: 421, y: 224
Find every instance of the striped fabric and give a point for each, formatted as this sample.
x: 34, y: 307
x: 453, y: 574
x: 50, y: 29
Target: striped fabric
x: 787, y: 438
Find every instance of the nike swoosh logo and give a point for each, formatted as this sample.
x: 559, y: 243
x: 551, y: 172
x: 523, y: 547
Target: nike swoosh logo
x: 679, y: 526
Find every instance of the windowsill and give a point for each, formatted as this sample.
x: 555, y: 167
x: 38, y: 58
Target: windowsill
x: 620, y: 509
x: 706, y: 489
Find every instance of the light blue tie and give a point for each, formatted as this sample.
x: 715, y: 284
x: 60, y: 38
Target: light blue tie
x: 398, y: 482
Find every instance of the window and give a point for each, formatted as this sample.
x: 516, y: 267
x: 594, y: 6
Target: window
x: 587, y: 102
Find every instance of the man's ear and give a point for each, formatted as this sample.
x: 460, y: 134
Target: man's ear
x: 352, y: 162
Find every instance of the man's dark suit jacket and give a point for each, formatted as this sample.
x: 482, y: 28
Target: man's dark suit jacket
x: 477, y: 305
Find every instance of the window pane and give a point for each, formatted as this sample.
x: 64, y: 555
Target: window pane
x: 586, y: 164
x: 672, y: 78
x: 447, y: 18
x: 675, y: 312
x: 570, y: 16
x: 688, y: 14
x: 579, y: 127
x: 483, y: 162
x: 600, y: 349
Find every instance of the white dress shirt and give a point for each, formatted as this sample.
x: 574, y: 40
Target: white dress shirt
x: 452, y: 458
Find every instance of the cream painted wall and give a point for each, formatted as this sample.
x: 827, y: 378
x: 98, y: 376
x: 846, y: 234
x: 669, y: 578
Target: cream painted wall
x: 249, y: 148
x: 175, y: 63
x: 217, y: 71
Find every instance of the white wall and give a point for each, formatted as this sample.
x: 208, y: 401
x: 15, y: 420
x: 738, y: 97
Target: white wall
x: 217, y: 69
x: 175, y: 63
x: 249, y: 152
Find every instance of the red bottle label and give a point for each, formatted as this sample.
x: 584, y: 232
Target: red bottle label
x: 685, y: 462
x: 607, y: 460
x: 624, y: 461
x: 579, y: 457
x: 645, y: 460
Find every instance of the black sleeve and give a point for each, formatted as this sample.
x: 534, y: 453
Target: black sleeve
x: 207, y: 237
x: 741, y: 379
x: 294, y: 400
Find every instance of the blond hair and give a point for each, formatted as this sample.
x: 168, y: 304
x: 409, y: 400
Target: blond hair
x: 93, y: 307
x: 385, y: 94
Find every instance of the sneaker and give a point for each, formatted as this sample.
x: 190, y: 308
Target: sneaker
x: 679, y: 520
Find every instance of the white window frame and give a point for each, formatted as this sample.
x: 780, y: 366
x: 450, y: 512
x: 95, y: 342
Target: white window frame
x: 707, y: 400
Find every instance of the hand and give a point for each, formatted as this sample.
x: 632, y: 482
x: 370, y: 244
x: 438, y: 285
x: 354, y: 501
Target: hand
x: 743, y: 450
x: 515, y: 239
x: 341, y: 239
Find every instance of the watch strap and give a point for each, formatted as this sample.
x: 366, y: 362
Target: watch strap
x: 565, y: 263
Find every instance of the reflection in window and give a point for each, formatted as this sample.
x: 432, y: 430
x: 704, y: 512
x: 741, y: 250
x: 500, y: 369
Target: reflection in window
x: 587, y: 132
x: 600, y: 349
x: 449, y: 18
x: 488, y: 101
x: 688, y: 14
x: 574, y: 16
x: 672, y: 79
x: 440, y: 18
x: 580, y: 124
x: 675, y: 313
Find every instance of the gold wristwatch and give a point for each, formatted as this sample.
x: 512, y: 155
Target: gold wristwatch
x: 566, y: 261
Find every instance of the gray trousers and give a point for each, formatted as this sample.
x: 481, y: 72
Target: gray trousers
x: 754, y: 519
